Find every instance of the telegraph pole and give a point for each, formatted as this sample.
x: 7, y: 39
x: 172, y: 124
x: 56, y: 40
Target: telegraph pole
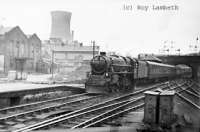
x: 52, y: 61
x: 93, y: 45
x: 197, y: 39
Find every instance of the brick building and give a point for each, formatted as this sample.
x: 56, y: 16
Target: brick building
x: 16, y: 48
x: 35, y: 46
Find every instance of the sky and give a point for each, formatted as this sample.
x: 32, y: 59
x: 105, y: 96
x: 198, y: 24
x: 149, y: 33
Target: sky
x: 128, y: 32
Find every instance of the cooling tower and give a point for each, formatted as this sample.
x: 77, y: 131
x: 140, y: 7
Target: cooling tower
x: 60, y: 27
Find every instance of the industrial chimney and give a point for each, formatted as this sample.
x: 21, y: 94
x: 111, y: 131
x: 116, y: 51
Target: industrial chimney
x: 60, y: 27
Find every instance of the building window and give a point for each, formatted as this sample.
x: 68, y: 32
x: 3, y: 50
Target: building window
x: 17, y: 50
x: 31, y: 51
x: 66, y: 56
x: 22, y: 49
x: 11, y: 64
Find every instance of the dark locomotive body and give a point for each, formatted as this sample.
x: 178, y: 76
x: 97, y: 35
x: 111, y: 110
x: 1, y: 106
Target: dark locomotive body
x: 116, y: 73
x: 109, y: 72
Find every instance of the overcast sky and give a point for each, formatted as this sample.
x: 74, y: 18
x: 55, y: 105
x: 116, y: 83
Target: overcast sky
x: 105, y: 21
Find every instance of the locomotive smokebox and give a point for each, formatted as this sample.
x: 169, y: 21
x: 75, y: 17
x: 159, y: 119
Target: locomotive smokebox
x: 103, y: 53
x: 60, y: 27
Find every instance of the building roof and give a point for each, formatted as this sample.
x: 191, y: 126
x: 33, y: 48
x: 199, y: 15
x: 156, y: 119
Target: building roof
x: 149, y: 57
x: 160, y: 64
x: 4, y: 30
x: 29, y: 35
x: 75, y: 48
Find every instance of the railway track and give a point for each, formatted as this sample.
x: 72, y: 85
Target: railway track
x: 189, y: 95
x: 102, y: 118
x: 109, y: 118
x: 95, y: 114
x: 196, y: 89
x: 12, y: 118
x: 79, y: 117
x: 127, y: 110
x: 39, y: 103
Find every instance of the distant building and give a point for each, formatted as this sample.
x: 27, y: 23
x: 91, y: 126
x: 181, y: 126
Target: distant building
x: 149, y: 57
x: 62, y: 49
x: 15, y: 46
x: 74, y: 55
x: 70, y: 56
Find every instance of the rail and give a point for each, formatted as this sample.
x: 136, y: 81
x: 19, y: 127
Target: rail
x: 83, y: 111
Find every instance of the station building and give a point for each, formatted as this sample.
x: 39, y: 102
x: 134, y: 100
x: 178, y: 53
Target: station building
x: 20, y: 52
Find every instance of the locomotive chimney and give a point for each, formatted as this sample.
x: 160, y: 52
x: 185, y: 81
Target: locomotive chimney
x: 60, y: 27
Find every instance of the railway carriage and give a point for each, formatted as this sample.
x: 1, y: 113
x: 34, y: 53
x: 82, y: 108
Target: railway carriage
x: 184, y: 71
x: 142, y: 70
x: 160, y: 70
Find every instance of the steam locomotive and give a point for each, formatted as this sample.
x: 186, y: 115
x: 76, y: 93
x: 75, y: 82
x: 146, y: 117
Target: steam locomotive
x: 117, y: 73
